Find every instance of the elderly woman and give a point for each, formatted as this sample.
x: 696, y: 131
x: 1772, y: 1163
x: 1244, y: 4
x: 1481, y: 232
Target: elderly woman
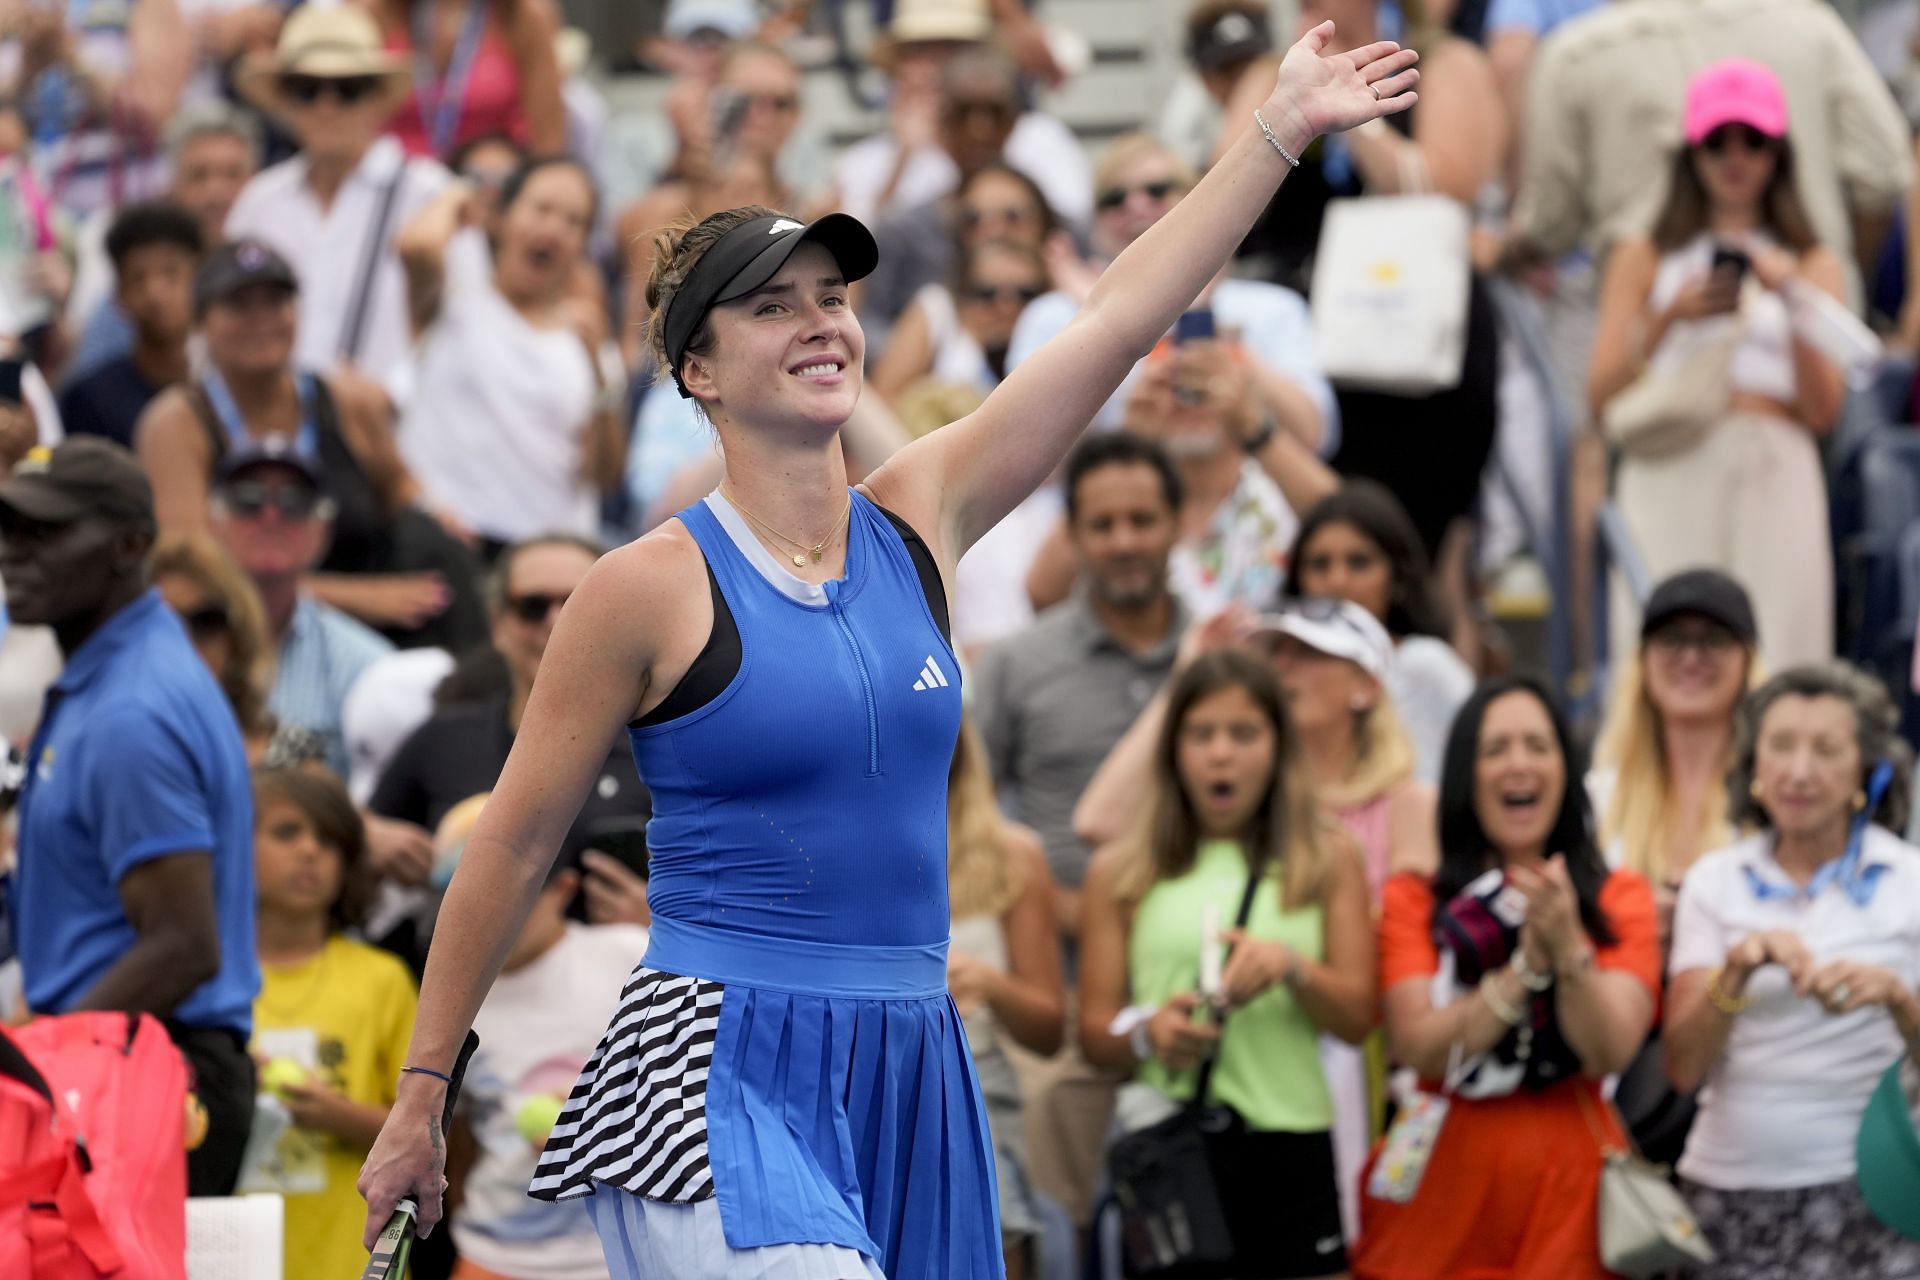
x: 1795, y: 958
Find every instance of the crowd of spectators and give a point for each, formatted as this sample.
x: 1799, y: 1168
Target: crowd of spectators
x: 323, y: 385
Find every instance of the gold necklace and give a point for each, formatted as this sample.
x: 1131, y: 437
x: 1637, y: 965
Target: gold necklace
x: 801, y: 550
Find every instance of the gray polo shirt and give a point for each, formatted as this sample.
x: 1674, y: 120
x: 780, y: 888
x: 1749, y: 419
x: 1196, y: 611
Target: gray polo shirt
x: 1051, y: 701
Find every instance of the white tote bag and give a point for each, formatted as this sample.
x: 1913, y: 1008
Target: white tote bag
x: 1390, y: 285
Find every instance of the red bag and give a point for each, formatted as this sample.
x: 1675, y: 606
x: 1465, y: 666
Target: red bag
x: 93, y: 1165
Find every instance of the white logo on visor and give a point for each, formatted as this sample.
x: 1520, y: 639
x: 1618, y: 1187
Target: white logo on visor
x: 785, y: 224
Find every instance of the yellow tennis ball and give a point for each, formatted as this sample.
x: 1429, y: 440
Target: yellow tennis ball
x: 537, y: 1116
x: 281, y: 1075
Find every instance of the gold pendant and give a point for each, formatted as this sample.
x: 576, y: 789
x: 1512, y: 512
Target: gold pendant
x: 816, y: 555
x: 799, y: 561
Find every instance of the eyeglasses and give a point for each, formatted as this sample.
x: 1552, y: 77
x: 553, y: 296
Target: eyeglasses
x: 1751, y: 139
x: 206, y: 622
x: 307, y: 90
x: 1706, y: 638
x: 983, y: 292
x: 250, y: 500
x: 535, y: 607
x: 1113, y: 197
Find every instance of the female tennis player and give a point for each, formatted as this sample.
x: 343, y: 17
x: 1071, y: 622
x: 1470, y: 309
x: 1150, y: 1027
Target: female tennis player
x: 786, y: 1089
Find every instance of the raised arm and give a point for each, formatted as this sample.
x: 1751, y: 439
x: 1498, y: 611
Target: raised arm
x: 422, y: 246
x: 981, y: 467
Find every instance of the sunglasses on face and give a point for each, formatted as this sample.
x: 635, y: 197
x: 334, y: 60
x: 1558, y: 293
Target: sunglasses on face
x: 980, y: 291
x: 1113, y: 197
x: 206, y: 622
x: 1749, y: 138
x: 250, y: 500
x: 307, y: 90
x: 535, y: 607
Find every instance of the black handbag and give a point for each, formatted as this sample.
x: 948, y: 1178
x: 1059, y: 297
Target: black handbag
x: 1172, y: 1225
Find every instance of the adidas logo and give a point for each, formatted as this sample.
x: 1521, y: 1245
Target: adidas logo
x: 930, y: 677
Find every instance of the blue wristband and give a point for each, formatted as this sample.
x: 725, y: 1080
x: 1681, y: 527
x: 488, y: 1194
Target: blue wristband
x: 427, y: 1071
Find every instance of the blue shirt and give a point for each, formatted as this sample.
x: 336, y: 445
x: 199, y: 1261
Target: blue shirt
x: 1536, y: 17
x: 137, y: 756
x: 322, y: 655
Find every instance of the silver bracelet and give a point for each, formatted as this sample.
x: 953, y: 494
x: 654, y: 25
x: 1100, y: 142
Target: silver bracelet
x: 1266, y: 131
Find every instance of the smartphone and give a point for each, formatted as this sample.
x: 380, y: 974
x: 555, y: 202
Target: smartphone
x: 1731, y: 260
x: 11, y: 368
x: 394, y: 1244
x: 1193, y: 326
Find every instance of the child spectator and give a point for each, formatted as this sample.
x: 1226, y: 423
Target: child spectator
x: 331, y: 1021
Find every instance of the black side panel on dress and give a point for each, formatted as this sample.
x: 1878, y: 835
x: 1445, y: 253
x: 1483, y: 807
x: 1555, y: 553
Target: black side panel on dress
x: 719, y: 660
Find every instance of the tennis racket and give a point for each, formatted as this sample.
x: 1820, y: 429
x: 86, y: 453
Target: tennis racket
x: 394, y: 1244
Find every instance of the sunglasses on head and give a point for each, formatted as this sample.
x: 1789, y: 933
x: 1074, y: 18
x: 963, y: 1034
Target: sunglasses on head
x: 1113, y: 197
x: 308, y: 90
x: 535, y: 607
x: 251, y: 499
x: 1750, y: 138
x: 206, y: 622
x: 980, y: 291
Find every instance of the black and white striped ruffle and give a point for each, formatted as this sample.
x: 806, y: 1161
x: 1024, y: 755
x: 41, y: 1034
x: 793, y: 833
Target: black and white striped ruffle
x: 637, y: 1118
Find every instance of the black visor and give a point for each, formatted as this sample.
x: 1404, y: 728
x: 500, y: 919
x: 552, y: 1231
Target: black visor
x: 750, y: 255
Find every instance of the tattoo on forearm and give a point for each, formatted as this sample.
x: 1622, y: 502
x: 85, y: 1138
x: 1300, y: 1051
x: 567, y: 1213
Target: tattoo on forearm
x: 435, y: 1137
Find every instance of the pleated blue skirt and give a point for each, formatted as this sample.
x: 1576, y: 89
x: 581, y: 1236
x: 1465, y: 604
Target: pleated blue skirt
x: 819, y: 1094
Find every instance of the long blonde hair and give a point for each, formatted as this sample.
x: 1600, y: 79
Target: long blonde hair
x: 981, y: 877
x: 1382, y: 757
x: 1639, y: 812
x: 1284, y: 836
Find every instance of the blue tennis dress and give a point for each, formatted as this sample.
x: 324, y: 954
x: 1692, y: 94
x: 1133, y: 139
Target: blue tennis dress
x: 787, y: 1053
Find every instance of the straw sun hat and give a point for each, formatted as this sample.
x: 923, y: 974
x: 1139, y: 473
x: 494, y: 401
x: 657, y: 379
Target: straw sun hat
x: 335, y: 43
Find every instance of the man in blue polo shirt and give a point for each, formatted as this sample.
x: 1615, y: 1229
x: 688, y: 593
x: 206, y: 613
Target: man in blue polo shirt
x: 134, y: 887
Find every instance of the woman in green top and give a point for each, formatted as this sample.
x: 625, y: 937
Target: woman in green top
x: 1231, y: 799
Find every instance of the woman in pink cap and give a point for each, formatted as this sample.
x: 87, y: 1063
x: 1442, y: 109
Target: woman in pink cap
x: 1703, y: 381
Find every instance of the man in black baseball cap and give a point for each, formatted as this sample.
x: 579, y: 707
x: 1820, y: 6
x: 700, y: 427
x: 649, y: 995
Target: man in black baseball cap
x: 76, y: 523
x: 1701, y: 593
x: 750, y: 255
x: 133, y: 887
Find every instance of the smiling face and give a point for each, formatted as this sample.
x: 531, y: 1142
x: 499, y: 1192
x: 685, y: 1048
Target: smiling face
x: 1225, y: 758
x: 1001, y: 281
x: 1807, y: 765
x: 1139, y: 194
x: 995, y: 205
x: 540, y: 237
x: 250, y: 331
x: 1695, y: 670
x: 1124, y: 528
x: 1520, y: 775
x: 790, y: 352
x: 272, y: 521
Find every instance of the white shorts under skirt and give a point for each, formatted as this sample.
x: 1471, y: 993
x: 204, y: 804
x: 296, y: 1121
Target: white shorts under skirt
x: 657, y: 1240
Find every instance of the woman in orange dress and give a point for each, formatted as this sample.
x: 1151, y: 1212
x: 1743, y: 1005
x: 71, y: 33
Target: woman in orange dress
x: 1523, y: 973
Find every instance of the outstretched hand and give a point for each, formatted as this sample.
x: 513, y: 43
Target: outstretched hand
x: 1319, y: 92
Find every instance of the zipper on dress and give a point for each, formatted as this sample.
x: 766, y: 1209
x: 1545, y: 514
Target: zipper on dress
x: 866, y: 688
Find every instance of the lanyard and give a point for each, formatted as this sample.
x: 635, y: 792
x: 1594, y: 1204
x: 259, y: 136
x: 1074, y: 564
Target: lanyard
x: 1856, y: 881
x: 441, y: 99
x: 306, y: 442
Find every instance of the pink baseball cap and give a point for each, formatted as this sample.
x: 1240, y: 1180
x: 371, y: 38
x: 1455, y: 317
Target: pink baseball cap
x: 1735, y: 91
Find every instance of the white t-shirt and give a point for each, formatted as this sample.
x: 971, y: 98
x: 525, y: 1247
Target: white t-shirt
x: 1427, y: 682
x: 538, y: 1027
x: 326, y: 248
x: 1782, y: 1106
x: 498, y: 411
x: 990, y: 600
x: 1270, y: 320
x: 1040, y: 146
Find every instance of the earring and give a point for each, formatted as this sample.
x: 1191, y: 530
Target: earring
x: 1859, y: 801
x: 1753, y: 789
